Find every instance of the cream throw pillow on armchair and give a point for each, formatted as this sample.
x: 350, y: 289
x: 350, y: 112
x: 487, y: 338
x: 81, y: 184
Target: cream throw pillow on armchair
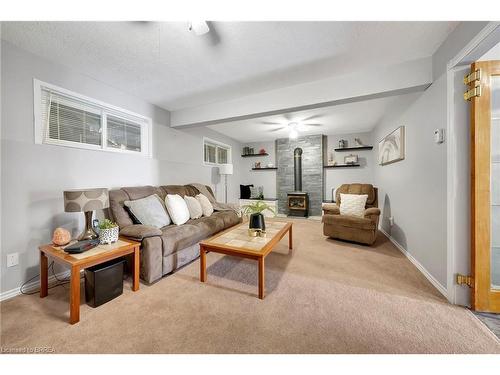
x: 353, y: 204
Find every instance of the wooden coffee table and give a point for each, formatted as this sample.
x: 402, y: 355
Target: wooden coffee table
x: 77, y: 262
x: 236, y: 242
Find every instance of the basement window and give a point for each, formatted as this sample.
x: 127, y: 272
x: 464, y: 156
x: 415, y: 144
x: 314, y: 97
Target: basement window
x: 69, y: 119
x: 215, y: 153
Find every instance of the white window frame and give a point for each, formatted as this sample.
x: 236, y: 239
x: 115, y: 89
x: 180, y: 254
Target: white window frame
x: 145, y: 122
x: 217, y: 143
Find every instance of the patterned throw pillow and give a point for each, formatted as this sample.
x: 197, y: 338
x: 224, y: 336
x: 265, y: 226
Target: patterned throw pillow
x: 149, y: 211
x: 194, y: 207
x: 353, y: 204
x: 206, y: 206
x: 256, y: 192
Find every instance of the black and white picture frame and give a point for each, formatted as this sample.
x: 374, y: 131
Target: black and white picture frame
x: 392, y: 148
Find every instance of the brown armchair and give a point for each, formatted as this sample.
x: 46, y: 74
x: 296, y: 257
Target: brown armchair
x: 352, y: 228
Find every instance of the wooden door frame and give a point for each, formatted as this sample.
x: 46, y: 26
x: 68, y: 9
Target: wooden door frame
x: 484, y: 298
x: 482, y: 42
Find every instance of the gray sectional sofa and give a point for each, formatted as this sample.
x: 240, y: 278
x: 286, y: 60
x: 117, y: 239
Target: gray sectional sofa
x: 166, y: 249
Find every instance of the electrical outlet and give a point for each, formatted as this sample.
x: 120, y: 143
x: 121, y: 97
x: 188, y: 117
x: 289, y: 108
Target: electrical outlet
x: 391, y: 221
x: 12, y: 259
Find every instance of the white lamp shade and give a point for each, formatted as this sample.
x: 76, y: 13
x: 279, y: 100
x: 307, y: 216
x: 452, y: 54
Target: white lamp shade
x: 226, y: 169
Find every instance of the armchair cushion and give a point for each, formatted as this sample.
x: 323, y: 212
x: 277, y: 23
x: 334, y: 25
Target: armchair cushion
x: 331, y: 209
x: 139, y: 231
x: 372, y: 212
x: 349, y: 221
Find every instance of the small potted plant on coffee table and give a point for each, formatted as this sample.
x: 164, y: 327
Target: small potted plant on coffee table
x: 108, y: 232
x: 256, y: 219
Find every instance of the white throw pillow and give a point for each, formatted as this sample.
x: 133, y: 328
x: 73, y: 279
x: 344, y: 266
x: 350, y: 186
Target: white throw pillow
x: 177, y: 208
x: 353, y: 204
x: 194, y: 207
x: 149, y: 211
x: 206, y: 206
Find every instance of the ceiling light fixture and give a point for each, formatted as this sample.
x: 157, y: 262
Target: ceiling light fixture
x: 199, y: 27
x: 293, y: 133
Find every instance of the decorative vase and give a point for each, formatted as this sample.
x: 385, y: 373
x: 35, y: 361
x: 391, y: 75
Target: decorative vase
x: 256, y: 221
x: 107, y: 236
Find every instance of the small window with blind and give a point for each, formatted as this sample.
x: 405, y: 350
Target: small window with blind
x: 215, y: 152
x: 69, y: 119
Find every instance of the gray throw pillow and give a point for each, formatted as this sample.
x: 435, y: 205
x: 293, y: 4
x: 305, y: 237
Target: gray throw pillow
x: 256, y: 192
x: 149, y: 211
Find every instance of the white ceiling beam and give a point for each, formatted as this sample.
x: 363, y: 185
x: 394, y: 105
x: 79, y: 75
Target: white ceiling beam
x: 377, y: 82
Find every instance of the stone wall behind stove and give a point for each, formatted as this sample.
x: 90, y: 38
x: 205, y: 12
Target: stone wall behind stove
x: 313, y: 158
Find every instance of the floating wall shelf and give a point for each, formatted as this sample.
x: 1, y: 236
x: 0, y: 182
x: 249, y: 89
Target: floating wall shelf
x: 342, y: 166
x: 265, y: 169
x: 354, y: 148
x: 252, y: 155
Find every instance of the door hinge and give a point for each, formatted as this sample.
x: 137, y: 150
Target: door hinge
x: 474, y: 76
x: 472, y: 93
x: 465, y: 280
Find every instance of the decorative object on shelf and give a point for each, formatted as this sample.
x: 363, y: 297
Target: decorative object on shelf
x: 86, y: 201
x: 225, y: 170
x: 331, y: 158
x: 250, y: 151
x: 270, y: 165
x: 262, y: 151
x: 256, y: 220
x: 392, y: 148
x: 257, y: 164
x: 342, y: 143
x: 61, y: 237
x: 358, y: 143
x: 108, y: 232
x: 351, y: 159
x: 246, y: 150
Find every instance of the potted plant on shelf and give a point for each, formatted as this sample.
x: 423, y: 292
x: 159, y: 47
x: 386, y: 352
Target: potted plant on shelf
x: 108, y: 232
x: 256, y: 219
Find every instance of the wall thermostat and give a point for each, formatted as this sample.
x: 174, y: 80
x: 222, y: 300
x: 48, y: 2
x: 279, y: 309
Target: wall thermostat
x: 439, y: 136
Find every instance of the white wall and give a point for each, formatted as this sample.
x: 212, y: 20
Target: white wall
x: 33, y: 176
x: 334, y: 177
x: 413, y: 191
x: 267, y: 178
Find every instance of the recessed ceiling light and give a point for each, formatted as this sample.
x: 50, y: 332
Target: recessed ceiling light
x: 293, y: 134
x: 199, y: 27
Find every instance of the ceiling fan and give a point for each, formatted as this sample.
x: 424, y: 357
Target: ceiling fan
x: 294, y: 127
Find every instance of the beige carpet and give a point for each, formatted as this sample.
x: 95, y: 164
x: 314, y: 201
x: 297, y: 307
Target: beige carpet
x: 325, y: 296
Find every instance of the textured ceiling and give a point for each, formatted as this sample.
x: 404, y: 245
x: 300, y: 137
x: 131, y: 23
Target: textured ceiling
x: 165, y: 64
x: 340, y: 119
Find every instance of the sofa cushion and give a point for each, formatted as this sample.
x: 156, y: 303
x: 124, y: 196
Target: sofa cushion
x: 194, y: 207
x: 206, y: 206
x: 178, y: 237
x: 181, y: 190
x: 349, y: 221
x: 177, y: 208
x: 149, y: 211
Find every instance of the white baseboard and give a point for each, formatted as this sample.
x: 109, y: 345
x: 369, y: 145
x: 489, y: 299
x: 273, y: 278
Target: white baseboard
x: 417, y: 264
x: 32, y: 286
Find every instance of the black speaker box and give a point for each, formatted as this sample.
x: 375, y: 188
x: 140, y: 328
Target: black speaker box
x: 104, y: 282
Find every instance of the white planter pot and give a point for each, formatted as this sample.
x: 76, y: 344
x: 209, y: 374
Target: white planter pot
x: 107, y: 236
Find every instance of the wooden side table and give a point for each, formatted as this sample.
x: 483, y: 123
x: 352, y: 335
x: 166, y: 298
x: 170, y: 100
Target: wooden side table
x: 77, y: 262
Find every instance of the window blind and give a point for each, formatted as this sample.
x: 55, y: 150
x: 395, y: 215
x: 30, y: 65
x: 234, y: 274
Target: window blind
x: 123, y: 134
x: 70, y: 120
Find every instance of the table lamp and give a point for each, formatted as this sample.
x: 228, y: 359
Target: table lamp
x: 224, y: 170
x: 86, y: 201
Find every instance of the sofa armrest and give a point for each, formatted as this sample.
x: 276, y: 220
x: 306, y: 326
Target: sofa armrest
x: 330, y: 209
x: 372, y: 213
x: 139, y: 231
